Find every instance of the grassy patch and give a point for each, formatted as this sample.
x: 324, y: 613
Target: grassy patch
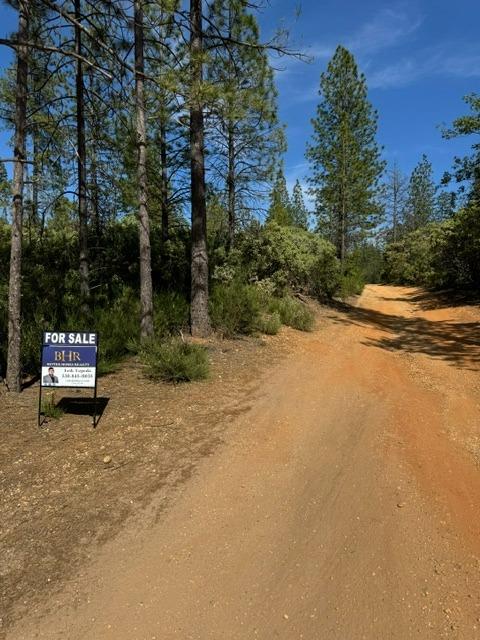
x: 49, y: 407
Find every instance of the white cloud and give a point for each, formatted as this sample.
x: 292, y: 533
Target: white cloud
x: 397, y: 74
x: 427, y: 63
x: 320, y: 52
x: 386, y: 29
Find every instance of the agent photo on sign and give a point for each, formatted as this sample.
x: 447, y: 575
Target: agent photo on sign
x: 50, y: 378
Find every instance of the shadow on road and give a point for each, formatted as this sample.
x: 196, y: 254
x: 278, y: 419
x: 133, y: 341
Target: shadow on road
x: 429, y: 301
x: 455, y: 342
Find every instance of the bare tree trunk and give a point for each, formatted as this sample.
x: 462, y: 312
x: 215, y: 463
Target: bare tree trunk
x: 35, y: 179
x: 199, y: 319
x: 231, y: 148
x: 146, y: 290
x: 343, y: 219
x: 164, y: 180
x: 82, y: 172
x: 14, y: 367
x: 231, y: 188
x: 93, y: 187
x: 94, y: 194
x: 396, y: 194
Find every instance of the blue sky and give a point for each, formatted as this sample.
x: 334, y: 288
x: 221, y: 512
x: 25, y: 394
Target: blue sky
x: 420, y: 58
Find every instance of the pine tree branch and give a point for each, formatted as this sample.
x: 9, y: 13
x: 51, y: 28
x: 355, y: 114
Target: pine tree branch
x: 13, y: 44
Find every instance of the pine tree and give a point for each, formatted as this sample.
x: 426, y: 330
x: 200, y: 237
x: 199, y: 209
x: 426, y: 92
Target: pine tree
x: 468, y: 167
x: 420, y: 208
x: 395, y: 194
x: 298, y: 207
x: 5, y: 192
x: 199, y: 316
x: 14, y: 283
x: 280, y: 210
x: 243, y: 129
x: 146, y: 289
x: 445, y: 205
x: 344, y: 155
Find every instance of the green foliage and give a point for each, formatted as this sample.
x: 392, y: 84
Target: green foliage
x: 280, y: 210
x: 369, y: 260
x: 288, y: 257
x: 50, y: 286
x: 421, y: 257
x: 173, y: 360
x: 352, y: 282
x: 245, y: 136
x: 170, y: 313
x: 420, y: 206
x: 235, y: 309
x: 118, y: 329
x: 467, y: 168
x: 5, y: 191
x: 298, y: 207
x: 344, y: 155
x: 49, y: 408
x: 270, y: 323
x: 293, y: 313
x: 461, y: 257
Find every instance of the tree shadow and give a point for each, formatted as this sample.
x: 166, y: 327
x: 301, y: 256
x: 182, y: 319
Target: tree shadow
x: 431, y: 300
x: 455, y: 342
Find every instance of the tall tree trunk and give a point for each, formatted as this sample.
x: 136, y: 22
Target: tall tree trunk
x: 94, y: 199
x: 396, y: 191
x: 231, y: 187
x: 164, y: 180
x: 14, y: 367
x: 146, y: 292
x: 35, y: 179
x: 199, y: 319
x: 231, y: 146
x: 81, y: 173
x: 93, y: 187
x: 343, y: 213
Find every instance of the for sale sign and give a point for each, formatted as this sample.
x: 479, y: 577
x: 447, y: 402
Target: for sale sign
x: 69, y: 359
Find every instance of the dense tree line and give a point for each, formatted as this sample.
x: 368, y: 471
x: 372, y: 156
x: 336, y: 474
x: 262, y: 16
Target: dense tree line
x: 129, y: 121
x: 434, y: 237
x: 149, y: 193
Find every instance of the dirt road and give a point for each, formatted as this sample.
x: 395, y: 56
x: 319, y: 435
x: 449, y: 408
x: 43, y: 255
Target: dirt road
x: 345, y: 504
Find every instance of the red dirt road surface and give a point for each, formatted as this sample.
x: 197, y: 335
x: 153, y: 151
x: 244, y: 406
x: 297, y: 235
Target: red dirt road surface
x: 345, y: 504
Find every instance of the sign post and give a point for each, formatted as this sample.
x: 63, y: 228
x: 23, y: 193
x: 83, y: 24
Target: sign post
x: 69, y: 359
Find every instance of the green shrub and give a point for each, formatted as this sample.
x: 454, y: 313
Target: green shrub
x: 235, y: 308
x: 289, y: 257
x: 422, y: 257
x: 173, y: 360
x: 293, y: 313
x: 270, y: 323
x: 352, y: 282
x: 118, y: 327
x: 170, y: 313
